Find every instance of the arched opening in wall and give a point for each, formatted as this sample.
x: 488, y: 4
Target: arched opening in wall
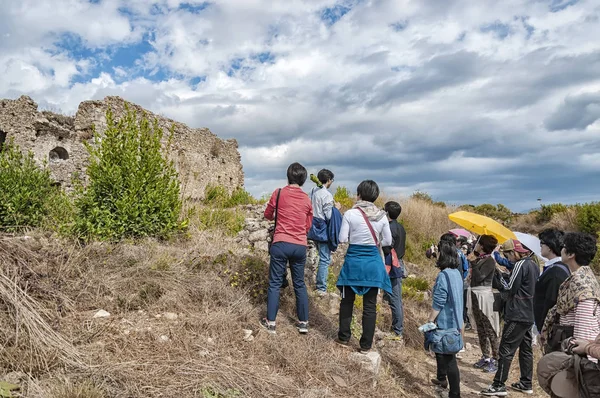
x: 2, y: 139
x: 58, y: 153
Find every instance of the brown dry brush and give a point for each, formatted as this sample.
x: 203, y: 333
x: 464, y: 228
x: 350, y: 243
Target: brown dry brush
x: 61, y: 285
x: 29, y: 342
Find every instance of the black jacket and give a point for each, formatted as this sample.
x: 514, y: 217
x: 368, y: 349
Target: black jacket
x: 482, y: 271
x: 521, y: 289
x: 398, y: 239
x: 546, y: 291
x: 399, y: 245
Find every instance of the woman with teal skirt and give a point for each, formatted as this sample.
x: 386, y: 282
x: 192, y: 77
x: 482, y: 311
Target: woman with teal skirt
x: 366, y: 228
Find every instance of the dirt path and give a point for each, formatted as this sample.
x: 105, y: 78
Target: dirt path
x: 474, y: 380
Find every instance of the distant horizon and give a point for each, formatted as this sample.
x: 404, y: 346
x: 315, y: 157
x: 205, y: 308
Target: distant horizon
x: 471, y: 102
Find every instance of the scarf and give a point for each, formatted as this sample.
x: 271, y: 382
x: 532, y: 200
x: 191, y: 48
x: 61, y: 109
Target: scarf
x: 581, y: 285
x: 373, y: 212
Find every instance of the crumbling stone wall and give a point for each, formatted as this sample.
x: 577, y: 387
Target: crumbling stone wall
x: 200, y: 156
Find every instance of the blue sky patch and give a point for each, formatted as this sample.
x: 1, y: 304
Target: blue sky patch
x: 399, y: 26
x: 194, y: 81
x: 333, y: 14
x: 194, y: 8
x: 499, y: 29
x: 265, y: 58
x: 559, y: 5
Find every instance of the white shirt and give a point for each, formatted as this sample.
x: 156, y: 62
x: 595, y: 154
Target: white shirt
x: 354, y: 230
x: 553, y: 261
x: 322, y: 203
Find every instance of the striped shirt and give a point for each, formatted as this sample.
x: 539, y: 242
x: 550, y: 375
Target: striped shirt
x: 585, y: 318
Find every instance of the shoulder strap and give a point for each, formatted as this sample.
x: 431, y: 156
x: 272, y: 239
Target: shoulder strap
x: 369, y: 225
x: 276, y: 208
x: 579, y: 376
x: 451, y: 296
x: 563, y: 267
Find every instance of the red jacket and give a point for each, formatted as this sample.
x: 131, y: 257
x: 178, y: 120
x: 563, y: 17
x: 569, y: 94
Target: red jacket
x: 294, y: 217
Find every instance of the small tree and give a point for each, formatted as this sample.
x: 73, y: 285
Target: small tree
x: 25, y: 189
x: 133, y: 189
x: 343, y: 197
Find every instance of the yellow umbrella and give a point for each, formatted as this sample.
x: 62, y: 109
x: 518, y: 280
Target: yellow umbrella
x: 482, y: 225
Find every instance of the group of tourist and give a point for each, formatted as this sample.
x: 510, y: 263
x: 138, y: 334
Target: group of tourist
x: 555, y: 303
x: 374, y: 238
x: 560, y: 299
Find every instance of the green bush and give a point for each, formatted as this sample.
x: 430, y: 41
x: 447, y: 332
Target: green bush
x: 133, y: 189
x: 217, y: 196
x: 241, y: 197
x: 343, y: 197
x: 422, y: 196
x: 231, y: 221
x: 588, y: 217
x: 498, y: 212
x: 418, y: 284
x: 26, y: 190
x: 546, y: 212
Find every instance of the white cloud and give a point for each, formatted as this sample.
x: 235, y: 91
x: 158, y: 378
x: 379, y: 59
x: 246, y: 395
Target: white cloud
x: 402, y: 91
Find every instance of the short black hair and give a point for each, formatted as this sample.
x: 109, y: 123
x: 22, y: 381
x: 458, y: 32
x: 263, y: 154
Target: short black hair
x: 393, y: 209
x: 296, y: 174
x: 448, y: 256
x: 462, y: 240
x: 553, y: 238
x: 582, y: 245
x: 368, y: 190
x: 448, y: 237
x: 325, y: 175
x: 488, y: 243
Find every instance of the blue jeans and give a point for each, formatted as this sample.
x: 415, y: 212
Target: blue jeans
x: 323, y: 270
x: 281, y: 254
x: 395, y: 301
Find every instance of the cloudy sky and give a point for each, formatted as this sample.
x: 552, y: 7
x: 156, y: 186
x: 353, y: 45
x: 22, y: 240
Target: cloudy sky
x: 470, y: 101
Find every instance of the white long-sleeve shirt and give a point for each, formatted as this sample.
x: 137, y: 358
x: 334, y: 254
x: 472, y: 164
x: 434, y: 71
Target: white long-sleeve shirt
x: 354, y: 230
x: 322, y: 203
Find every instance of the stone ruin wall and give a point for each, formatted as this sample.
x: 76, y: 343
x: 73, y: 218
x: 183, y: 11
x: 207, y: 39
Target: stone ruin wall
x: 200, y: 156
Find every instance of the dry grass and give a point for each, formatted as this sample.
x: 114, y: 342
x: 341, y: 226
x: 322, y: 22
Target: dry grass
x: 203, y: 352
x: 564, y: 221
x: 33, y: 345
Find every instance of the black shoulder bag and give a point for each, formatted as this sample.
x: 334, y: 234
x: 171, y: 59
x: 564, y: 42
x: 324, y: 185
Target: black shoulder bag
x: 271, y: 233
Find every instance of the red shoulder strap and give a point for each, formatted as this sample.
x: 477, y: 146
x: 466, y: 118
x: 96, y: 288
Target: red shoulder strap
x: 369, y: 225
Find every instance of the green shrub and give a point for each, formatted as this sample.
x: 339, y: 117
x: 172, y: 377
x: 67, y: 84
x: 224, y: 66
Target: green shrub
x: 343, y: 197
x: 217, y: 196
x: 241, y: 197
x: 422, y: 196
x: 251, y: 274
x: 418, y: 284
x: 498, y: 212
x: 133, y: 189
x: 26, y: 190
x: 231, y: 221
x: 588, y: 217
x: 546, y: 212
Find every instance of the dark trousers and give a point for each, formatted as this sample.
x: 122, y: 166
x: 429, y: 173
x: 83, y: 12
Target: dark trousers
x: 466, y: 319
x: 281, y: 254
x: 447, y: 369
x: 515, y: 335
x: 369, y: 316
